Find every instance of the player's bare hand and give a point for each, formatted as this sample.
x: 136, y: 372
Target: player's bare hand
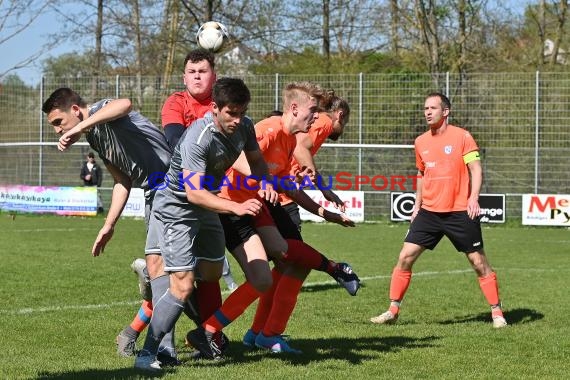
x: 341, y: 219
x: 249, y: 207
x: 306, y: 172
x: 414, y: 213
x: 69, y: 138
x: 473, y: 209
x: 268, y: 193
x: 336, y: 201
x: 105, y: 234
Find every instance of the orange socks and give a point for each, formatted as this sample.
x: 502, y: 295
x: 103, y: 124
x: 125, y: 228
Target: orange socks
x: 265, y: 304
x: 233, y: 307
x: 303, y: 255
x: 142, y: 319
x: 284, y: 302
x: 490, y: 288
x: 398, y: 287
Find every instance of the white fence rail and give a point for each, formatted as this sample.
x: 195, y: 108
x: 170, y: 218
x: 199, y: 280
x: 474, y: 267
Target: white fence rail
x: 520, y: 120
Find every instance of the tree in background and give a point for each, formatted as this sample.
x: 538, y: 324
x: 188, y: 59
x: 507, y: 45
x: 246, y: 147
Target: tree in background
x: 16, y: 17
x: 150, y: 38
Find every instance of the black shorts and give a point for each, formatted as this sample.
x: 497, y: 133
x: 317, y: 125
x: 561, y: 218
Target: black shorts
x: 238, y: 229
x: 429, y: 227
x: 287, y: 219
x: 293, y: 211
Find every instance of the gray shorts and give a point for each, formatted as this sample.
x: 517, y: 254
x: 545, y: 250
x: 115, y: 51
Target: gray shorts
x: 183, y: 233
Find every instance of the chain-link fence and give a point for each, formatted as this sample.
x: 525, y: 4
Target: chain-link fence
x: 520, y: 121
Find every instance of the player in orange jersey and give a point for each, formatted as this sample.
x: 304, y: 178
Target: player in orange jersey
x: 447, y: 203
x: 250, y: 239
x: 329, y: 125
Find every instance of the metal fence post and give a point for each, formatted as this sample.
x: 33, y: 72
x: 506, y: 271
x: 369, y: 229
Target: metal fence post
x: 360, y: 113
x: 536, y: 135
x: 41, y: 147
x: 276, y: 91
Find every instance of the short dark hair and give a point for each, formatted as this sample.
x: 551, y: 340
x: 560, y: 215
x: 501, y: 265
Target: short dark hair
x: 230, y: 91
x: 334, y: 103
x: 90, y: 155
x: 198, y: 55
x: 62, y: 98
x: 445, y: 103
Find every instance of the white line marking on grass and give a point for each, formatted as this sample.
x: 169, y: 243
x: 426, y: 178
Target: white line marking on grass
x: 47, y: 309
x: 53, y: 229
x: 432, y: 273
x: 29, y: 310
x: 380, y: 277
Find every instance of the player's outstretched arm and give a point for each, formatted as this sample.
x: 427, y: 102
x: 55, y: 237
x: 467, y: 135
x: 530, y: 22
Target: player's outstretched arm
x: 111, y: 111
x: 335, y: 199
x: 305, y: 159
x: 302, y: 152
x: 303, y: 200
x: 121, y: 191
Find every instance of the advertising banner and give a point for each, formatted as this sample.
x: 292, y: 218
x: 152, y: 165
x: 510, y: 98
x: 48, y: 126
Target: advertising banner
x: 546, y: 210
x: 354, y: 201
x: 135, y: 204
x: 49, y: 199
x: 493, y: 208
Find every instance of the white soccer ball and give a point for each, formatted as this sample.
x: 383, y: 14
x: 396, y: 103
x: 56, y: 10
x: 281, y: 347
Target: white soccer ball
x: 212, y: 36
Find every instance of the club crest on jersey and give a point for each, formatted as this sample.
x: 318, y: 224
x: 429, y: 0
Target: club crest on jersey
x: 447, y: 149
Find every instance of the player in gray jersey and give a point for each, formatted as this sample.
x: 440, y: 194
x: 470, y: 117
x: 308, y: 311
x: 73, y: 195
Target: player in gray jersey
x: 130, y: 146
x: 134, y: 151
x: 184, y: 224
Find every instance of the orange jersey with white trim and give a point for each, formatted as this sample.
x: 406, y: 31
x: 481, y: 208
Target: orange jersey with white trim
x: 445, y: 183
x: 277, y: 146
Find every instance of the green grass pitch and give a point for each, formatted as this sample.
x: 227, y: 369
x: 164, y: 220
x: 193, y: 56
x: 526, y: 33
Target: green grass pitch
x: 61, y: 308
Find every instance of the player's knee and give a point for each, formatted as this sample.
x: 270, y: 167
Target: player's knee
x: 405, y: 262
x: 262, y: 283
x: 276, y: 248
x: 479, y: 263
x: 182, y: 285
x: 209, y: 271
x: 182, y: 292
x: 408, y: 256
x: 154, y: 266
x: 210, y: 277
x: 482, y: 269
